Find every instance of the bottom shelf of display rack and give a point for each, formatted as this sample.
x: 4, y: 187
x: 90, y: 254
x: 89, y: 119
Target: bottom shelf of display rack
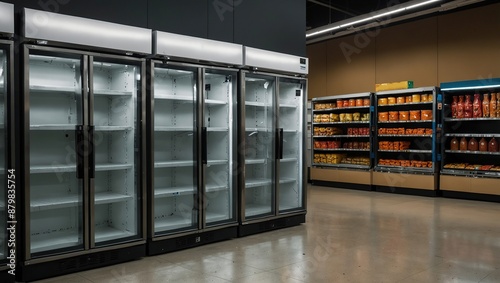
x: 408, y: 180
x: 468, y: 184
x: 340, y: 175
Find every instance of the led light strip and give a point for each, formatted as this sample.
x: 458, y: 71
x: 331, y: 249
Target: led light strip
x: 403, y: 7
x: 470, y: 87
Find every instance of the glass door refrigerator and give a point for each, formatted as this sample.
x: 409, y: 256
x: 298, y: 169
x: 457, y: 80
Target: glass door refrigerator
x: 271, y: 145
x: 192, y: 197
x: 84, y: 196
x: 8, y: 189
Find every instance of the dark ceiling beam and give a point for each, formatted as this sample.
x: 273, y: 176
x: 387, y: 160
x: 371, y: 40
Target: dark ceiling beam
x: 332, y: 7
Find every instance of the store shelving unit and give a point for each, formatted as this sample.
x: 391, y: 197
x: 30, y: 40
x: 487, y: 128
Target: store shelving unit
x: 350, y: 141
x: 406, y: 141
x: 470, y: 173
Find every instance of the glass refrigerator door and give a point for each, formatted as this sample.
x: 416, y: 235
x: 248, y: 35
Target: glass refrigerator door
x: 115, y: 89
x: 175, y: 170
x: 291, y: 123
x: 3, y: 139
x: 218, y: 152
x: 55, y: 191
x: 259, y: 146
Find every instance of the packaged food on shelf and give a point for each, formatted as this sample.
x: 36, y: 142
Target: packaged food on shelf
x: 483, y: 145
x: 328, y: 158
x: 393, y: 116
x: 342, y: 117
x: 426, y: 115
x: 493, y: 145
x: 405, y: 163
x: 463, y: 144
x: 383, y: 116
x: 477, y: 107
x: 400, y: 100
x: 334, y: 117
x: 356, y: 116
x: 340, y: 103
x: 415, y: 98
x: 365, y: 117
x: 352, y: 102
x: 473, y: 145
x: 404, y: 115
x: 359, y: 102
x: 454, y: 144
x: 415, y: 115
x: 467, y: 107
x: 366, y: 102
x: 345, y: 103
x: 382, y: 101
x: 391, y: 100
x: 424, y: 97
x: 408, y: 99
x: 394, y: 85
x: 348, y: 117
x: 493, y: 106
x: 485, y: 106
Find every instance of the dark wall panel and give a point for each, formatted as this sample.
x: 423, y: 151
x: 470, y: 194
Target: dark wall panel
x: 220, y: 20
x: 277, y: 25
x: 130, y: 12
x: 188, y: 17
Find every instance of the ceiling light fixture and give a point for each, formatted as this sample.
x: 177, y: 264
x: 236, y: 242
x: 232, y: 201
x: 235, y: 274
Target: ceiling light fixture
x: 373, y: 16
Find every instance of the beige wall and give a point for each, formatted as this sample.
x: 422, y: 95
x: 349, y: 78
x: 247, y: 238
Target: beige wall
x: 458, y: 46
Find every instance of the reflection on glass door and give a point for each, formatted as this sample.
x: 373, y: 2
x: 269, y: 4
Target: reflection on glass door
x: 116, y: 145
x: 3, y: 139
x: 218, y: 96
x: 175, y: 175
x: 291, y: 97
x: 55, y: 192
x: 259, y: 146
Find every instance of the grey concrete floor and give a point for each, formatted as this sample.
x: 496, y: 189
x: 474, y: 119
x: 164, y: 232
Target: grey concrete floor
x: 350, y: 236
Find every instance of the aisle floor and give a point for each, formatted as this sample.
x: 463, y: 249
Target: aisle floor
x: 350, y: 236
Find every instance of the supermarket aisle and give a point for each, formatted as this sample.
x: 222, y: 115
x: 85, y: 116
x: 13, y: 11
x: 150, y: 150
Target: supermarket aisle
x: 350, y: 236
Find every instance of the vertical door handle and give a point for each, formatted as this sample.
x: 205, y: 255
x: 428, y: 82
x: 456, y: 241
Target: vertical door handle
x: 281, y: 144
x: 79, y: 150
x: 204, y: 153
x: 91, y: 152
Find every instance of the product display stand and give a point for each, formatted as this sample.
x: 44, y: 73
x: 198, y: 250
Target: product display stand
x: 471, y: 160
x: 342, y: 141
x: 406, y: 141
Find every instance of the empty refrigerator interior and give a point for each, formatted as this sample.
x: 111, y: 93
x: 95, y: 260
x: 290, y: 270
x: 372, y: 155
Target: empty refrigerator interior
x: 291, y: 165
x: 55, y: 193
x: 259, y: 147
x: 175, y: 178
x: 218, y: 199
x: 115, y: 88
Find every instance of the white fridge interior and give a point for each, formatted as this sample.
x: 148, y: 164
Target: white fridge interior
x: 291, y: 165
x: 55, y: 193
x: 218, y: 97
x: 259, y: 146
x: 175, y: 181
x: 115, y: 88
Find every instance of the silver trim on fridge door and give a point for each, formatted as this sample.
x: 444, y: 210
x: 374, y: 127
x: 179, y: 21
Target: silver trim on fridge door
x: 6, y: 18
x: 150, y: 122
x: 89, y: 121
x: 88, y: 221
x: 26, y: 162
x: 143, y: 150
x: 201, y: 149
x: 241, y: 147
x: 82, y: 31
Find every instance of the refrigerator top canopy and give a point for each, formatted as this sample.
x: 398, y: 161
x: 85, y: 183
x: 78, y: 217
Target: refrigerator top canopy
x: 194, y: 48
x: 263, y: 59
x: 42, y: 25
x: 6, y: 18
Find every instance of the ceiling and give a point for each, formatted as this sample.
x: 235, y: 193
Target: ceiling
x: 320, y: 13
x: 323, y: 12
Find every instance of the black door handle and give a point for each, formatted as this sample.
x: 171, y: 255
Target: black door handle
x: 91, y: 152
x: 204, y: 153
x: 281, y: 144
x: 79, y: 150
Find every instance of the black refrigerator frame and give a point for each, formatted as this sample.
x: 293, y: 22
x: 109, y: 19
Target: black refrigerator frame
x: 274, y: 220
x: 202, y: 234
x: 11, y: 247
